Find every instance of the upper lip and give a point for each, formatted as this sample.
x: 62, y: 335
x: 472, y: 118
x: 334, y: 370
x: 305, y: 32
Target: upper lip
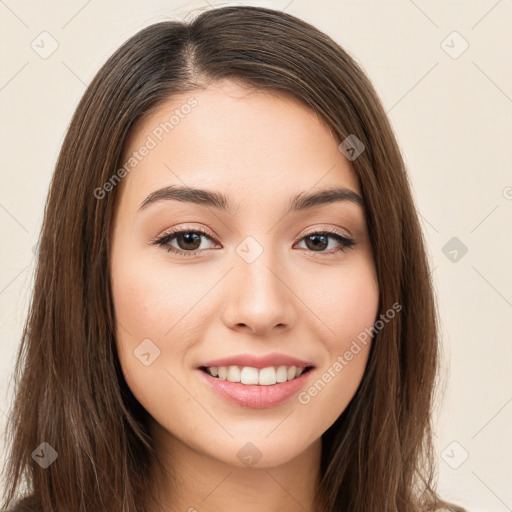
x: 274, y: 359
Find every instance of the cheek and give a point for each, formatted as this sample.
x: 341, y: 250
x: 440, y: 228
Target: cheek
x: 161, y: 311
x: 346, y: 303
x: 349, y: 313
x: 153, y: 304
x: 153, y: 300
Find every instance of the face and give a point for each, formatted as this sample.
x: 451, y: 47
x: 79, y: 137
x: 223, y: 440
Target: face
x: 257, y: 282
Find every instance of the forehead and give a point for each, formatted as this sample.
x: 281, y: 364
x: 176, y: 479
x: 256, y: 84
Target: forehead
x: 245, y: 142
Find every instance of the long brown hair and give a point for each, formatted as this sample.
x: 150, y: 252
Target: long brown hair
x: 69, y: 388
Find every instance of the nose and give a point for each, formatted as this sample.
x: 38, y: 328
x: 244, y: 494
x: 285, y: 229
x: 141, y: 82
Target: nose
x: 260, y: 297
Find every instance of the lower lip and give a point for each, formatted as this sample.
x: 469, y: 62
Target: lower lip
x: 258, y: 397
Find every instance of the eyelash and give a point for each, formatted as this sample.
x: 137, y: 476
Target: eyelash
x: 163, y: 241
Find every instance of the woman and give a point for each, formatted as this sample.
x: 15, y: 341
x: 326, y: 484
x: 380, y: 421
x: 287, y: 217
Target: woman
x: 232, y: 302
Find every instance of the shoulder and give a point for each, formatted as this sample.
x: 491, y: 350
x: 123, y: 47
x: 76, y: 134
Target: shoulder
x: 450, y: 508
x: 19, y: 507
x: 26, y: 504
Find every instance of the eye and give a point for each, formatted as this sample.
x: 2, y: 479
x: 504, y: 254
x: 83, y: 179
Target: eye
x: 318, y: 241
x: 189, y: 241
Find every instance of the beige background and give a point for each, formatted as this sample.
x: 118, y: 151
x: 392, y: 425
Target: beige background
x: 451, y: 110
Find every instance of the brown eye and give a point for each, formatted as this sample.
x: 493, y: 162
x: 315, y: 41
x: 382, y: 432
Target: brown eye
x: 318, y: 242
x: 188, y: 241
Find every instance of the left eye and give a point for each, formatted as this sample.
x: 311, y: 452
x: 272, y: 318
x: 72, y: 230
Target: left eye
x: 189, y: 241
x: 321, y: 241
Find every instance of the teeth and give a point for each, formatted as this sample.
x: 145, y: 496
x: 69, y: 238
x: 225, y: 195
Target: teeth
x: 249, y: 375
x: 233, y: 374
x: 267, y: 376
x: 282, y: 374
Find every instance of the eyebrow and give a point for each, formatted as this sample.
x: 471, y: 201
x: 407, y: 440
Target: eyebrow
x: 219, y: 201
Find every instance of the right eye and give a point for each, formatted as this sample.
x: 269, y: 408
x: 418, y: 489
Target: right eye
x: 188, y: 239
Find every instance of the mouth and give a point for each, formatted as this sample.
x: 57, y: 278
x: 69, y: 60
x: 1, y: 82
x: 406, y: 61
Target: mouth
x: 257, y: 388
x: 251, y: 376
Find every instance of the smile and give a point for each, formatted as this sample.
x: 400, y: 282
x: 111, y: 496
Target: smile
x: 248, y: 375
x: 270, y: 393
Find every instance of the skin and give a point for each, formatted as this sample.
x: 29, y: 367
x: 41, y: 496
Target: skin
x: 259, y: 149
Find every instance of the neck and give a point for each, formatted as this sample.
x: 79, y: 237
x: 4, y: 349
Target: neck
x: 205, y: 484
